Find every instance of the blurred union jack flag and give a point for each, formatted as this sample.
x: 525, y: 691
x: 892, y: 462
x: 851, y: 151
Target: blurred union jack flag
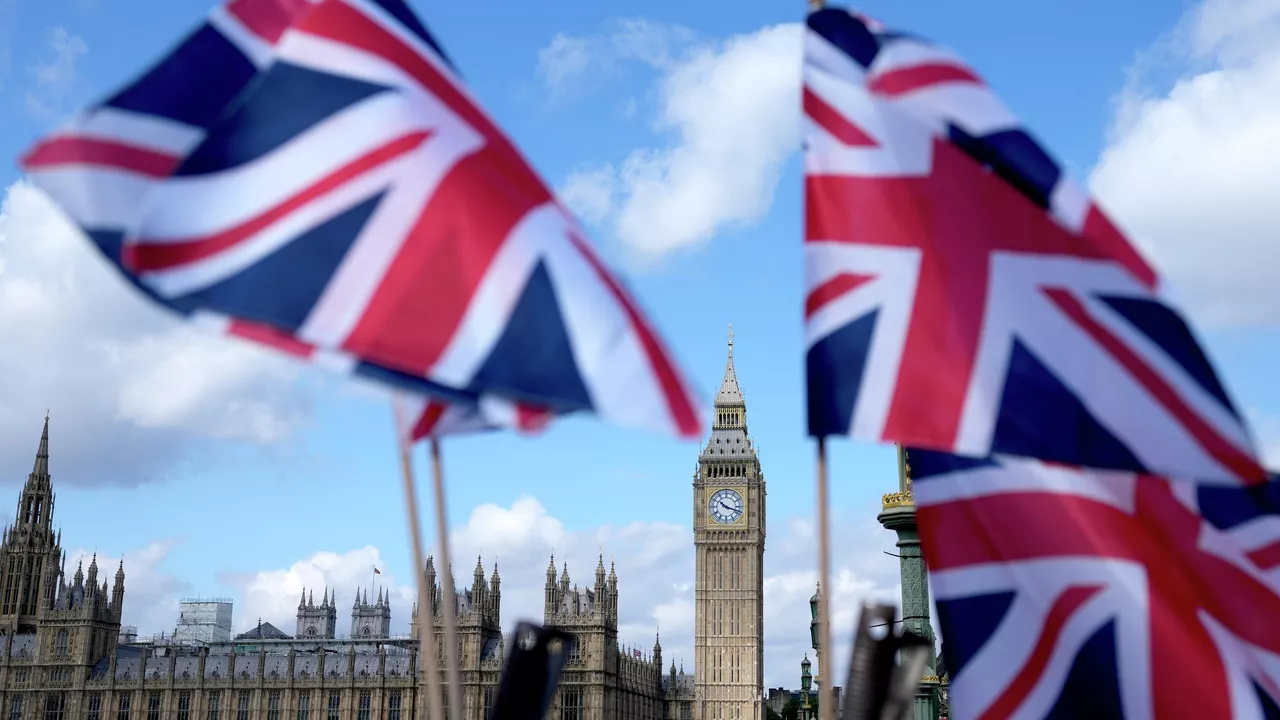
x: 965, y: 295
x: 314, y: 176
x: 1065, y: 593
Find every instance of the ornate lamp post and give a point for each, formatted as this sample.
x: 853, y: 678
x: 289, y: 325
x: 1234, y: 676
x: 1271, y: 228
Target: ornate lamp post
x: 806, y: 680
x: 813, y: 631
x: 898, y: 513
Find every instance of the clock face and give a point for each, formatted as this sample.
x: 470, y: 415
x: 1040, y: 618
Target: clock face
x: 725, y: 506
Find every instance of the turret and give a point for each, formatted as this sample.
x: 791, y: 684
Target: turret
x: 495, y: 593
x: 657, y: 652
x: 431, y: 583
x: 117, y: 592
x: 478, y: 584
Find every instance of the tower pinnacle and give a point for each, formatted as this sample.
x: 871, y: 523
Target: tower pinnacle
x: 730, y: 394
x: 41, y: 468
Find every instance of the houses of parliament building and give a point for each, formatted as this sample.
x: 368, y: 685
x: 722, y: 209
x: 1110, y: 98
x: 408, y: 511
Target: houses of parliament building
x: 62, y: 654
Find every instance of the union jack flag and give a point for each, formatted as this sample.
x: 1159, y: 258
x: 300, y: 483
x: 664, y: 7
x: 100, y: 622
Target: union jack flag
x: 314, y: 176
x: 1068, y: 593
x: 965, y: 295
x: 419, y: 417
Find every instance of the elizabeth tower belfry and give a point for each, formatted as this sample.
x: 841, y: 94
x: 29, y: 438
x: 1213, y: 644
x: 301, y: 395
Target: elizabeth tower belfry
x: 728, y: 538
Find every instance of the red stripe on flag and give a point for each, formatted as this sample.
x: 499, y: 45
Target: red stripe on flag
x: 71, y: 150
x: 1106, y: 236
x: 150, y: 254
x: 918, y: 77
x: 267, y: 335
x: 1266, y: 557
x: 832, y: 289
x: 531, y: 419
x: 268, y: 19
x: 835, y: 123
x: 1064, y: 606
x: 343, y: 23
x: 1209, y: 439
x: 426, y: 290
x: 426, y: 424
x: 450, y: 249
x: 679, y: 403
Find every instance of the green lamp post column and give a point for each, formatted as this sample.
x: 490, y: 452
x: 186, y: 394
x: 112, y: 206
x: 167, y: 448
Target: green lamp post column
x: 898, y: 513
x: 806, y: 682
x: 813, y: 631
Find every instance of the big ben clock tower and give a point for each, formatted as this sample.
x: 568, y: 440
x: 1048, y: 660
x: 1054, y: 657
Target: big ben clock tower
x: 728, y: 538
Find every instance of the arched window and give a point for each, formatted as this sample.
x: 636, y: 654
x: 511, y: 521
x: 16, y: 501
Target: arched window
x: 364, y: 631
x: 61, y: 648
x: 311, y: 631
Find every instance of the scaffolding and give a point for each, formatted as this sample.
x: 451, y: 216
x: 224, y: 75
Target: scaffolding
x: 203, y: 621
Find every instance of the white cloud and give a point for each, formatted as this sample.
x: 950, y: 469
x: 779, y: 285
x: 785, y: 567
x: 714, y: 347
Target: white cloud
x: 732, y: 111
x: 571, y: 62
x: 55, y: 77
x: 562, y: 61
x: 654, y: 563
x: 127, y: 384
x: 273, y: 595
x: 590, y: 192
x: 151, y: 594
x: 1191, y: 171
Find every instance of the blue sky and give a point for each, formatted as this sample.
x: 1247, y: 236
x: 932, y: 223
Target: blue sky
x: 222, y: 472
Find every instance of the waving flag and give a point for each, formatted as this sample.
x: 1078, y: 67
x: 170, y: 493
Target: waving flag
x: 965, y: 295
x: 313, y: 175
x: 420, y: 417
x: 1064, y: 593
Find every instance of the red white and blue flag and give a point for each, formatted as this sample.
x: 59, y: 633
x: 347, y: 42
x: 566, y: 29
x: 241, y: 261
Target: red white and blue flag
x: 1100, y: 594
x: 965, y: 295
x: 314, y: 176
x: 421, y: 416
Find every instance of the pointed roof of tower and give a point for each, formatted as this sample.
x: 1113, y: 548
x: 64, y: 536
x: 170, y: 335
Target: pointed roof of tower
x: 730, y: 394
x: 40, y: 469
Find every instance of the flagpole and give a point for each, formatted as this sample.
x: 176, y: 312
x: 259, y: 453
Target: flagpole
x: 453, y: 675
x: 426, y: 625
x: 826, y: 711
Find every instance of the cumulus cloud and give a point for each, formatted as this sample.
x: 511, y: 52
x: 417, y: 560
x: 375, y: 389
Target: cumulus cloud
x: 151, y: 593
x: 55, y: 77
x: 273, y: 595
x: 731, y: 111
x: 1190, y: 169
x: 129, y: 387
x: 655, y: 567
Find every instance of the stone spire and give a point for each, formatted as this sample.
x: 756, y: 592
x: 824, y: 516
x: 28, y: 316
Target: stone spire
x: 41, y: 469
x: 730, y: 394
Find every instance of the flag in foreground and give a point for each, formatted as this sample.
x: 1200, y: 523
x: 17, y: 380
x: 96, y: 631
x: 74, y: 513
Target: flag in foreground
x: 1066, y: 593
x: 419, y: 417
x: 314, y: 176
x: 965, y: 295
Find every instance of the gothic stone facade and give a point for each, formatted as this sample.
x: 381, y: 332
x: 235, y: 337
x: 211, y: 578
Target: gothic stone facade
x: 60, y: 655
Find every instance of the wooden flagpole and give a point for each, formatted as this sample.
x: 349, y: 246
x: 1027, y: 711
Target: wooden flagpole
x: 826, y: 703
x: 826, y: 709
x: 453, y: 675
x: 426, y: 625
